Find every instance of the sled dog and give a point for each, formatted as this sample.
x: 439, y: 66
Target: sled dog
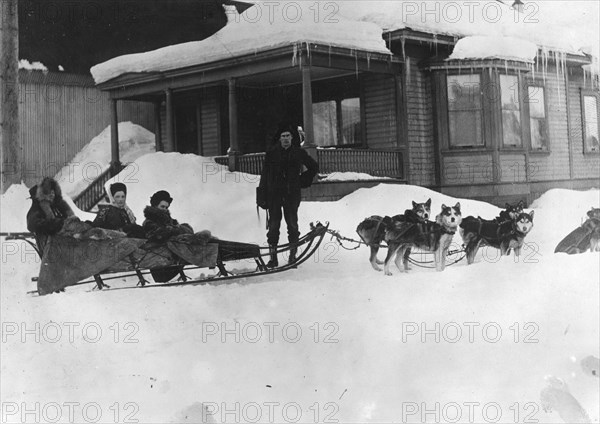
x: 506, y: 235
x: 372, y: 229
x: 510, y: 212
x: 428, y: 236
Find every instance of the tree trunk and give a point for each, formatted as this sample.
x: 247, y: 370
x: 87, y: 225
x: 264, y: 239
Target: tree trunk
x: 11, y: 149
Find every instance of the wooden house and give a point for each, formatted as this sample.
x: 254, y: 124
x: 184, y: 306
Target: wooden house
x: 491, y: 129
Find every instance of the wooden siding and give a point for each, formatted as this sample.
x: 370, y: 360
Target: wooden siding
x: 419, y: 111
x: 584, y: 165
x: 58, y: 119
x: 211, y: 143
x: 467, y: 168
x: 380, y: 111
x: 555, y: 165
x: 512, y: 168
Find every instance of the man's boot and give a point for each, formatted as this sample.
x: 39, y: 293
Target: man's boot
x: 273, y: 257
x: 292, y: 257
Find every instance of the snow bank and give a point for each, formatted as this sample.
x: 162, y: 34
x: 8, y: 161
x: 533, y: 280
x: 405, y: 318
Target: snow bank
x: 94, y: 158
x: 259, y: 28
x: 191, y: 354
x: 484, y: 47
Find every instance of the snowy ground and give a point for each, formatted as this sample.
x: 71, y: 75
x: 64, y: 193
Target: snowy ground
x: 333, y: 341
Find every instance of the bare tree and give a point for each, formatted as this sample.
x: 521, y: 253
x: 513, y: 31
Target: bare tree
x: 11, y: 149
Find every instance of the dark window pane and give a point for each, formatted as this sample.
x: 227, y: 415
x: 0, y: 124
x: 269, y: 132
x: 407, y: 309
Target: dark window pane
x: 464, y: 92
x: 351, y: 121
x: 325, y: 123
x: 511, y: 128
x: 538, y: 134
x: 465, y: 128
x: 535, y: 98
x: 511, y: 110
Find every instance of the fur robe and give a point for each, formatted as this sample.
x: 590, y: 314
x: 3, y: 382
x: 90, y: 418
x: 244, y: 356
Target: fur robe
x: 160, y: 227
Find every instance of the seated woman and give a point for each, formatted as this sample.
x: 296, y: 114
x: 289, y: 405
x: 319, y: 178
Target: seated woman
x: 158, y: 225
x: 118, y: 216
x: 48, y: 211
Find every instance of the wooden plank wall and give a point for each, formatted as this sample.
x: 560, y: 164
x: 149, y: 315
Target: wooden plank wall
x: 380, y: 111
x: 553, y: 166
x: 60, y: 114
x: 419, y: 110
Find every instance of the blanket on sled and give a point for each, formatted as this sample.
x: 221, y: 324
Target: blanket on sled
x: 74, y: 255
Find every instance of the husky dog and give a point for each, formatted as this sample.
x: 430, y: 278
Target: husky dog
x: 372, y: 229
x: 506, y: 235
x: 510, y: 212
x: 428, y: 236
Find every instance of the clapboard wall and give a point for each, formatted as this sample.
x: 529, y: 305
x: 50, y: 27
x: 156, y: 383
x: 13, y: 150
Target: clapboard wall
x: 60, y: 113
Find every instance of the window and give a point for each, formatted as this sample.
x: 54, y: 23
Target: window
x: 590, y: 123
x: 465, y: 112
x: 511, y: 111
x: 537, y: 118
x: 337, y: 122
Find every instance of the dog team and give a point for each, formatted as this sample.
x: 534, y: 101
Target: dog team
x: 414, y: 230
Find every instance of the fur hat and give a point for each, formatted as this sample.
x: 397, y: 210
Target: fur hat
x: 293, y: 130
x: 116, y: 187
x: 43, y: 189
x: 159, y: 196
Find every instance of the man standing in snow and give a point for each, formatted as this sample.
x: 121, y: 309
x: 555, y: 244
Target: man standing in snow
x: 287, y: 169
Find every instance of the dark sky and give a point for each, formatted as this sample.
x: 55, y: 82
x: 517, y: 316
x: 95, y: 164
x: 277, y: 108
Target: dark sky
x: 78, y: 34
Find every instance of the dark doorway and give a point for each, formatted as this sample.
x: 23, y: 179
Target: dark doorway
x: 186, y: 129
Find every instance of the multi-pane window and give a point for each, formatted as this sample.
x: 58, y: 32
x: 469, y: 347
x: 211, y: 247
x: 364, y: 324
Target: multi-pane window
x: 337, y: 122
x: 538, y: 123
x: 511, y: 111
x: 590, y: 123
x: 465, y: 114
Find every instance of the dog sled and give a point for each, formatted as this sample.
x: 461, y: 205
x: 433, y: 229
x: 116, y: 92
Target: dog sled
x: 69, y: 261
x: 583, y: 238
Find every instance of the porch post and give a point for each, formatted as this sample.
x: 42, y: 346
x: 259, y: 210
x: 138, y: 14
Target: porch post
x: 157, y: 127
x: 170, y: 124
x: 115, y: 162
x: 234, y: 149
x: 307, y: 112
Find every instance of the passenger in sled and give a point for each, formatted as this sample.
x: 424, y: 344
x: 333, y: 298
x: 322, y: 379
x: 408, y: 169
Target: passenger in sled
x: 48, y: 211
x: 118, y: 216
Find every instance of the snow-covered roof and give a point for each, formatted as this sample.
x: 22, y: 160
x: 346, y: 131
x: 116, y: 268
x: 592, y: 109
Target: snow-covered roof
x: 486, y: 47
x: 259, y: 28
x: 570, y: 27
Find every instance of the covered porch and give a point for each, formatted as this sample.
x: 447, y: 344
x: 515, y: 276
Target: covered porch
x: 348, y: 103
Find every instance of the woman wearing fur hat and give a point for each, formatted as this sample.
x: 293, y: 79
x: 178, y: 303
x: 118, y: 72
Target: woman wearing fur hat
x: 118, y: 216
x: 158, y: 225
x: 48, y: 211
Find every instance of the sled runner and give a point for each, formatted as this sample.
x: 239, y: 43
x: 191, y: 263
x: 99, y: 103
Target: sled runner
x: 66, y: 261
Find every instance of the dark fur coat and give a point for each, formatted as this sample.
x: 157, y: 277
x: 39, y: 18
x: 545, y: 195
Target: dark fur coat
x: 282, y: 176
x: 160, y: 227
x: 46, y: 217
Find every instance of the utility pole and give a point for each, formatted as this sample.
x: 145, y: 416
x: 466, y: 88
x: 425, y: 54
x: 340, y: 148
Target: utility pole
x: 10, y: 142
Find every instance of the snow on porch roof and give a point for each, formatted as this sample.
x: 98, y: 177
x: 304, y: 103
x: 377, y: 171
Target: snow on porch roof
x: 259, y: 28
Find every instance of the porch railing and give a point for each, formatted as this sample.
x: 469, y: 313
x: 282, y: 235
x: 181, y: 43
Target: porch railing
x: 379, y: 163
x: 250, y: 163
x: 93, y: 193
